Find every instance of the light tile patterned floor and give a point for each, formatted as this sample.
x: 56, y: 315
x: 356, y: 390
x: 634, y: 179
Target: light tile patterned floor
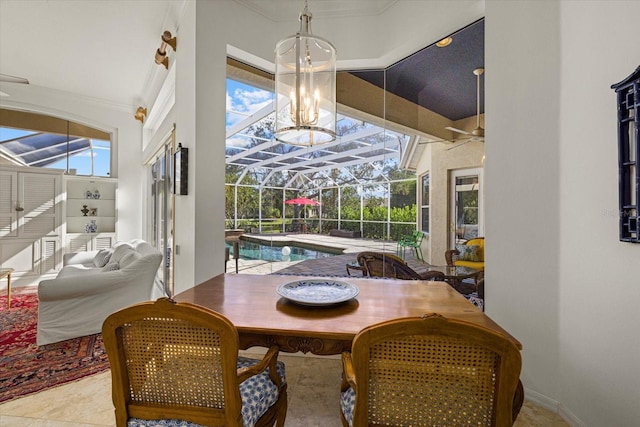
x: 313, y: 387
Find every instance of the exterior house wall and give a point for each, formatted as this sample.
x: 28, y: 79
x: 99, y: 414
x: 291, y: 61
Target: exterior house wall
x: 442, y: 161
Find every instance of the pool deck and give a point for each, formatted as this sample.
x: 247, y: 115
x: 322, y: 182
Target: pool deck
x: 330, y: 266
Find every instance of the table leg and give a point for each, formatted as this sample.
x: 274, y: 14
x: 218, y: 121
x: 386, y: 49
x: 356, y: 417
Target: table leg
x: 8, y: 291
x: 236, y: 253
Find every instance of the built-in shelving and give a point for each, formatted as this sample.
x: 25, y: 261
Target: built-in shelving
x: 99, y: 197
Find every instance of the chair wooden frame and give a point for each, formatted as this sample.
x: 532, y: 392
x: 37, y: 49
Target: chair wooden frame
x: 144, y: 339
x: 383, y: 264
x: 417, y: 376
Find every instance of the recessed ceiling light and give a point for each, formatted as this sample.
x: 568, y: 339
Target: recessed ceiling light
x: 444, y: 42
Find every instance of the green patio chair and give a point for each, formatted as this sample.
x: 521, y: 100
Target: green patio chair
x: 413, y: 241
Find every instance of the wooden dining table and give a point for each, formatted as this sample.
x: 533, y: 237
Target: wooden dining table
x: 264, y: 318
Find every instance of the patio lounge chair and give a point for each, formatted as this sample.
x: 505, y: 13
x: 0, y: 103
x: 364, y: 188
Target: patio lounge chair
x: 382, y: 264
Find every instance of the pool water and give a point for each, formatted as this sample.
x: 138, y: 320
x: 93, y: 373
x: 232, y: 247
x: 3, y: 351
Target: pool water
x: 250, y: 250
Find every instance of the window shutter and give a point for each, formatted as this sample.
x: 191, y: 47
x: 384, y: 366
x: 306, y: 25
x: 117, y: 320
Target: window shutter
x: 49, y: 255
x: 8, y: 199
x: 39, y: 202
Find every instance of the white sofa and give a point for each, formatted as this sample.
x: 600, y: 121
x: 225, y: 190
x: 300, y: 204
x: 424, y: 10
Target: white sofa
x: 92, y: 285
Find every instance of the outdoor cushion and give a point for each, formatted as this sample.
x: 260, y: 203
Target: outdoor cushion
x: 479, y: 265
x: 468, y: 252
x: 480, y: 244
x: 258, y: 394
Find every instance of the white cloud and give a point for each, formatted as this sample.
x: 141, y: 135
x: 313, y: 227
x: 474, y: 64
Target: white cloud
x: 239, y: 142
x: 248, y: 101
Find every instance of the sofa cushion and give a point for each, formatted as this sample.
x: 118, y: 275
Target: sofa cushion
x: 120, y: 249
x: 143, y: 248
x: 102, y: 257
x: 111, y: 266
x: 129, y: 258
x: 468, y: 253
x: 77, y: 270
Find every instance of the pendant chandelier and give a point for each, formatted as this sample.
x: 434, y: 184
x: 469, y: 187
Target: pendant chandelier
x: 305, y: 87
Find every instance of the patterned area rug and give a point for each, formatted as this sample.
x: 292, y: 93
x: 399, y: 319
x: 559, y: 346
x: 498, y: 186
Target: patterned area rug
x: 26, y: 368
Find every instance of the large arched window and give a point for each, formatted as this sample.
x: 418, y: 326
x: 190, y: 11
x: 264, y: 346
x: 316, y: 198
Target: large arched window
x: 36, y: 140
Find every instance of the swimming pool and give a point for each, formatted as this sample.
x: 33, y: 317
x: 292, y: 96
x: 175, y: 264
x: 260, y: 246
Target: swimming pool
x: 250, y: 250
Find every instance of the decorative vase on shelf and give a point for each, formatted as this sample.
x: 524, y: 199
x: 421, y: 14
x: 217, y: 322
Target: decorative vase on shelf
x: 91, y: 227
x: 84, y: 210
x: 96, y: 194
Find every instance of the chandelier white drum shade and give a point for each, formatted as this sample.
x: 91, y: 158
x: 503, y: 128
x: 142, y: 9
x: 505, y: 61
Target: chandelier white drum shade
x: 305, y: 87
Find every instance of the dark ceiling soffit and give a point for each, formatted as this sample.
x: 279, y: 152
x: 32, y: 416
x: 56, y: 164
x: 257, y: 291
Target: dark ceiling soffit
x: 438, y: 79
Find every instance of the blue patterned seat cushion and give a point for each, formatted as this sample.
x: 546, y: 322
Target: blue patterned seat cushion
x: 347, y: 401
x: 258, y: 393
x: 468, y: 252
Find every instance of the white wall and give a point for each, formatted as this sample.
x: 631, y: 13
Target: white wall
x: 599, y: 275
x: 200, y: 126
x: 557, y: 276
x: 184, y: 113
x: 127, y: 148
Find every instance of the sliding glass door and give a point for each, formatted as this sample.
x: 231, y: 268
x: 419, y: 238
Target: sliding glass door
x: 161, y: 214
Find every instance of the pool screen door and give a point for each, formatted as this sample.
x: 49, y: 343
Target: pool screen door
x: 162, y: 215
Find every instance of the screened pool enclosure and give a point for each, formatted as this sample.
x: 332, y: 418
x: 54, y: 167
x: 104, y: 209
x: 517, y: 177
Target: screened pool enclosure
x: 355, y: 180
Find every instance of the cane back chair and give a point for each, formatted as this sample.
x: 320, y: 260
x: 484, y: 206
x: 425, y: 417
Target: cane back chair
x: 178, y: 362
x: 429, y: 371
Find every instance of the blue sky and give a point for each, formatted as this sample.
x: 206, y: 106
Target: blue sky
x: 245, y: 99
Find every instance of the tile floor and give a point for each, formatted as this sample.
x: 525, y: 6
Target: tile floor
x: 313, y: 400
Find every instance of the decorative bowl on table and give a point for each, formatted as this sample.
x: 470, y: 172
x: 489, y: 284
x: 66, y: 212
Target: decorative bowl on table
x: 318, y: 292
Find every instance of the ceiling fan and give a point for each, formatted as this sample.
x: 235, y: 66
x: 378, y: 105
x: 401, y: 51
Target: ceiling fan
x: 475, y: 135
x: 6, y: 78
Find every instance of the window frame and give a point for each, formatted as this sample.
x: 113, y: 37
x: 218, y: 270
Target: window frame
x: 425, y: 206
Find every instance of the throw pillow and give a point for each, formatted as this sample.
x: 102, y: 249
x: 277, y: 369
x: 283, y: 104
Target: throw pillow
x: 468, y: 252
x: 111, y: 266
x: 102, y: 257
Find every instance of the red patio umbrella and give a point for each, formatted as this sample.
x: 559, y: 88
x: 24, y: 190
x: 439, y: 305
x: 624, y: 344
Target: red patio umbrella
x: 302, y: 201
